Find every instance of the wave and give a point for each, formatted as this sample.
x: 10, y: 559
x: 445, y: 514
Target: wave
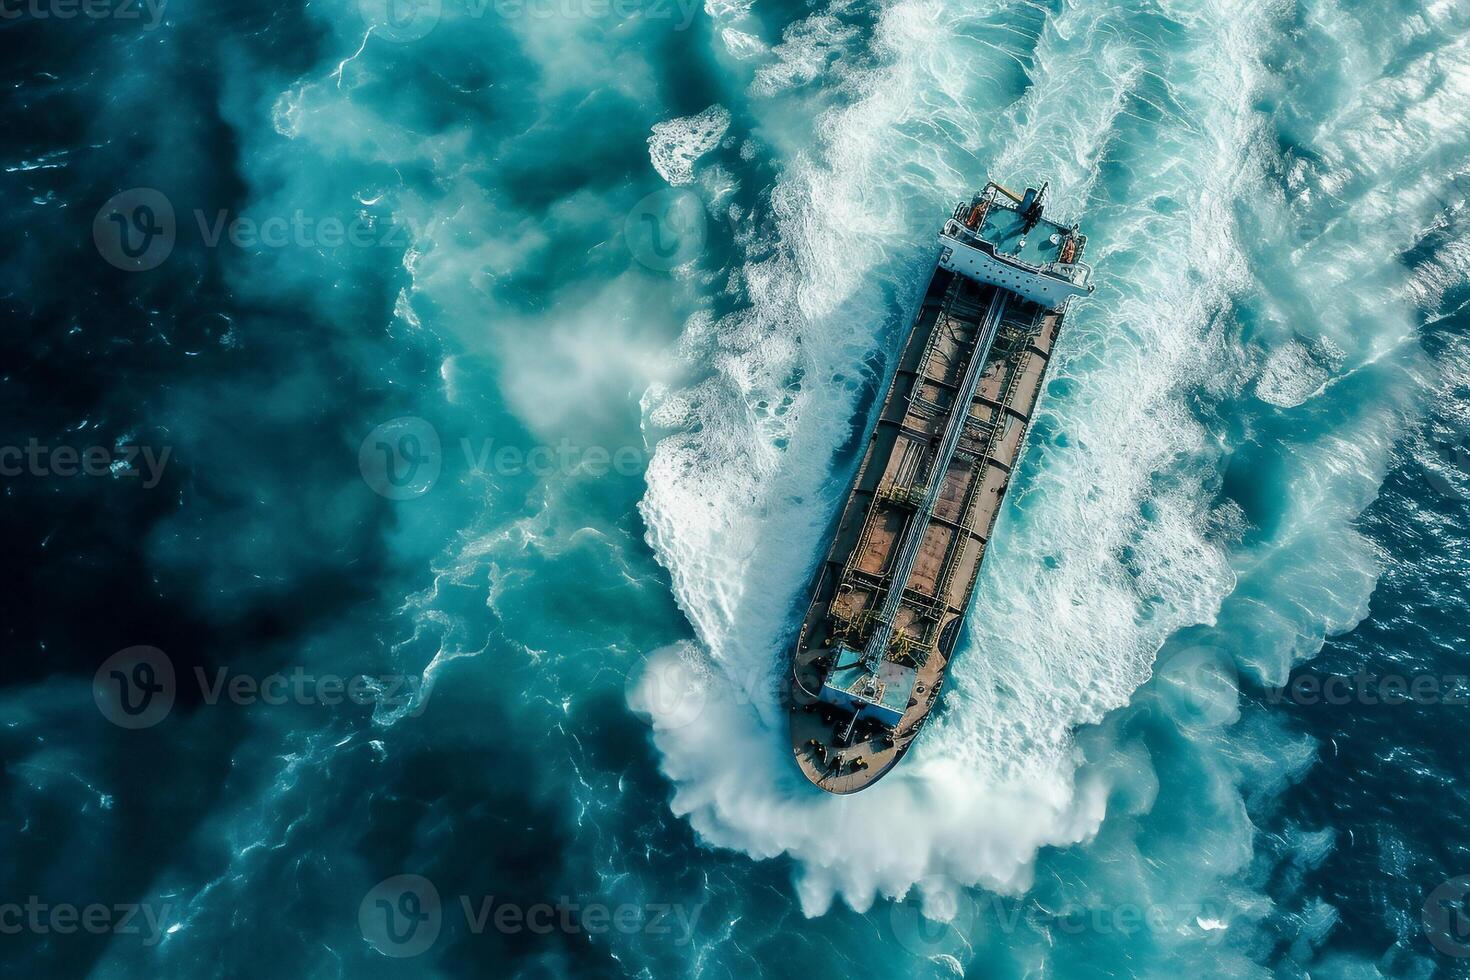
x: 1218, y: 322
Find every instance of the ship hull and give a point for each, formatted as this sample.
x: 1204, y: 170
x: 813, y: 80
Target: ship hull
x: 907, y: 526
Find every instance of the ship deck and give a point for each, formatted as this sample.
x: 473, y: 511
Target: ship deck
x: 886, y: 507
x: 1005, y: 228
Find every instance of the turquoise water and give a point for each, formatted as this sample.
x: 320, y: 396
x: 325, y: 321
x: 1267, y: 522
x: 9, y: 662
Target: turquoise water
x: 512, y: 360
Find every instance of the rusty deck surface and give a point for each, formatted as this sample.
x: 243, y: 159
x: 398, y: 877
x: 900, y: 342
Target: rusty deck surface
x: 858, y: 572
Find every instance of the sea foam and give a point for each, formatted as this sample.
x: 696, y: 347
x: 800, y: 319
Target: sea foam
x: 1118, y: 538
x: 738, y: 504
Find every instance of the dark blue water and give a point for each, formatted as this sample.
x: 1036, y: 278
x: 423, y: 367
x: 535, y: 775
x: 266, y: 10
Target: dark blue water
x: 420, y: 424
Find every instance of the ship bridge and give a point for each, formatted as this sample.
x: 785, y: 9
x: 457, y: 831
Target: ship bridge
x: 1004, y: 240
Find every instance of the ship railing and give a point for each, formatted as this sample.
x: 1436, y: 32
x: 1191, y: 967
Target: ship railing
x: 951, y: 295
x: 924, y: 408
x: 1077, y: 273
x: 992, y: 436
x: 952, y: 556
x: 851, y: 564
x: 909, y: 496
x: 796, y: 676
x: 952, y: 301
x: 905, y: 648
x: 913, y: 533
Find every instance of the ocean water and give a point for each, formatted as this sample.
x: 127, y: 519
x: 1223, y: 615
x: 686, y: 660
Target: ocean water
x: 422, y: 421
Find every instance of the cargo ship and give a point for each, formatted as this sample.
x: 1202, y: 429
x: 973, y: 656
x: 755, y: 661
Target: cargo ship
x: 891, y: 595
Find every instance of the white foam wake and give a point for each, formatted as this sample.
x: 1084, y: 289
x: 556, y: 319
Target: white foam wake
x: 677, y: 143
x: 1066, y: 624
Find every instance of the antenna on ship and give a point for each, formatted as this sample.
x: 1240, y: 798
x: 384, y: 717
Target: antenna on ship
x: 1032, y: 205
